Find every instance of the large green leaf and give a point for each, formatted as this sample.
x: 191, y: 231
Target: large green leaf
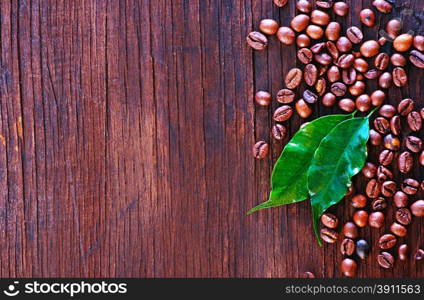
x: 289, y: 177
x: 341, y: 155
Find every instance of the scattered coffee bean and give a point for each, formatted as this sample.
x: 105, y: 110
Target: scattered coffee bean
x: 367, y: 17
x: 417, y: 208
x: 405, y: 107
x: 338, y: 89
x: 379, y: 204
x: 400, y: 78
x: 360, y: 218
x: 387, y: 111
x: 279, y: 132
x: 341, y: 8
x: 419, y: 42
x: 417, y: 59
x: 413, y: 143
x: 328, y: 235
x: 303, y: 40
x: 345, y: 61
x: 329, y: 220
x: 321, y: 86
x: 329, y: 99
x: 344, y: 44
x: 385, y: 80
x: 257, y: 40
x: 303, y: 109
x: 398, y: 60
x: 281, y: 3
x: 283, y: 113
x: 363, y: 103
x: 400, y: 199
x: 421, y: 158
x: 370, y: 48
x: 347, y: 247
x: 393, y: 28
x: 305, y: 55
x: 362, y: 249
x: 382, y: 6
x: 333, y: 74
x: 395, y: 125
x: 263, y: 98
x: 350, y: 230
x: 347, y: 105
x: 405, y: 162
x: 310, y: 74
x: 387, y: 241
x: 398, y: 230
x: 403, y: 42
x: 314, y: 32
x: 388, y: 188
x: 381, y: 61
x: 332, y: 49
x: 324, y: 4
x: 414, y: 121
x: 392, y: 142
x: 293, y: 78
x: 360, y: 65
x: 349, y: 78
x: 385, y: 260
x: 386, y: 157
x: 308, y: 275
x: 359, y: 201
x: 268, y: 26
x: 382, y: 125
x: 403, y: 252
x: 323, y: 59
x: 384, y: 174
x: 348, y: 267
x: 410, y: 186
x: 317, y: 48
x: 286, y: 35
x: 404, y: 216
x: 299, y: 22
x: 332, y: 32
x: 319, y: 17
x: 260, y: 150
x: 372, y: 74
x: 373, y: 188
x: 375, y: 138
x: 376, y: 219
x: 378, y: 97
x: 285, y: 96
x: 310, y: 96
x: 369, y: 170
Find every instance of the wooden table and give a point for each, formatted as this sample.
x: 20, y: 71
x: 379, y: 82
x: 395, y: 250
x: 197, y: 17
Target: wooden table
x: 126, y: 130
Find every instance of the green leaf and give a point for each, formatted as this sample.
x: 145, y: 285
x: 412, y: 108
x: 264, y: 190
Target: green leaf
x: 341, y: 155
x: 289, y: 177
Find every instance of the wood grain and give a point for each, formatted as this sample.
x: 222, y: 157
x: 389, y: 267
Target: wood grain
x: 126, y: 129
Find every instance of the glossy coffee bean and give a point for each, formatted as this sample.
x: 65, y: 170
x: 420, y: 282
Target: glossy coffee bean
x: 403, y: 252
x: 383, y: 174
x: 257, y: 40
x: 360, y: 218
x: 400, y: 78
x: 300, y: 22
x: 279, y: 132
x: 304, y: 6
x: 314, y: 32
x: 376, y: 219
x: 414, y: 121
x: 382, y: 125
x: 375, y: 138
x: 403, y: 216
x: 338, y: 89
x: 344, y: 44
x: 293, y: 78
x: 286, y: 35
x: 260, y: 150
x: 317, y: 48
x: 305, y: 55
x: 410, y: 186
x: 333, y: 74
x: 403, y: 42
x: 417, y: 59
x: 367, y: 17
x: 324, y: 4
x: 385, y: 260
x: 419, y: 42
x: 373, y: 188
x: 363, y: 103
x: 417, y: 208
x: 310, y: 74
x: 348, y: 267
x: 332, y: 32
x: 421, y: 159
x: 329, y: 100
x: 369, y: 170
x: 382, y: 6
x: 303, y: 109
x: 329, y: 236
x: 349, y: 78
x: 385, y: 80
x: 350, y: 230
x: 381, y: 61
x: 392, y: 142
x: 379, y: 204
x: 359, y: 201
x: 394, y: 28
x: 398, y: 229
x: 321, y: 86
x: 413, y: 143
x: 378, y: 97
x: 387, y: 111
x: 347, y: 247
x: 285, y: 96
x: 323, y: 59
x: 319, y: 17
x: 347, y: 105
x: 341, y: 8
x: 329, y: 220
x: 268, y: 26
x: 360, y: 65
x: 405, y: 106
x: 395, y: 125
x: 388, y: 188
x: 263, y: 98
x: 400, y: 199
x: 332, y: 49
x: 398, y: 60
x: 283, y: 113
x: 362, y: 249
x: 280, y: 3
x: 405, y: 162
x: 308, y: 274
x: 419, y: 254
x: 386, y: 157
x: 303, y: 40
x: 370, y: 48
x: 345, y: 61
x: 382, y: 41
x: 310, y: 96
x: 372, y: 74
x: 387, y: 241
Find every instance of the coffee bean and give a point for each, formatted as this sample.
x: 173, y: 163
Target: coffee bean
x: 387, y: 241
x: 323, y: 59
x: 317, y: 48
x: 385, y: 260
x: 300, y: 22
x: 344, y: 44
x: 333, y: 74
x: 381, y: 61
x: 332, y: 49
x: 405, y: 106
x: 386, y: 157
x: 387, y: 111
x: 405, y: 162
x: 360, y: 218
x: 421, y: 158
x: 363, y: 103
x: 285, y: 96
x: 347, y: 105
x: 263, y: 98
x: 280, y: 3
x: 393, y: 28
x: 379, y: 204
x: 372, y: 74
x: 321, y: 86
x: 362, y: 249
x: 414, y: 121
x: 338, y: 89
x: 400, y: 78
x: 385, y: 80
x: 303, y: 109
x: 413, y: 143
x: 348, y: 267
x: 319, y: 17
x: 376, y: 219
x: 400, y: 199
x: 382, y: 125
x: 378, y: 97
x: 341, y: 8
x: 354, y: 34
x: 286, y: 35
x: 382, y: 6
x: 375, y: 138
x: 404, y: 216
x: 388, y: 188
x: 419, y: 254
x: 283, y: 113
x: 293, y: 78
x: 398, y: 60
x: 360, y: 65
x: 395, y: 125
x: 403, y: 42
x: 303, y: 40
x: 403, y: 252
x: 257, y: 40
x: 391, y: 142
x: 329, y: 235
x: 346, y: 61
x: 314, y: 32
x: 422, y: 112
x: 369, y: 170
x: 268, y: 26
x: 279, y: 132
x: 305, y: 55
x: 350, y: 230
x: 359, y: 201
x: 310, y: 96
x: 417, y: 208
x: 367, y: 17
x: 417, y: 59
x: 329, y: 99
x: 332, y: 32
x: 370, y: 48
x: 260, y: 150
x: 310, y: 74
x: 419, y: 42
x: 308, y: 275
x: 383, y: 174
x: 329, y: 220
x: 347, y: 247
x: 349, y: 78
x: 373, y: 188
x: 324, y: 4
x: 398, y: 229
x: 410, y: 186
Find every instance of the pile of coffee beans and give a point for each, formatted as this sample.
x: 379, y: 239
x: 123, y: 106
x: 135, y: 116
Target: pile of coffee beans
x: 336, y: 67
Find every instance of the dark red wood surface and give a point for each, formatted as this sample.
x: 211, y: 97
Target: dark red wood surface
x: 126, y: 130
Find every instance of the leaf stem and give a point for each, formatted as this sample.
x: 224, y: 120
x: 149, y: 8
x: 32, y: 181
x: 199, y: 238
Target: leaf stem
x: 354, y: 113
x: 373, y: 111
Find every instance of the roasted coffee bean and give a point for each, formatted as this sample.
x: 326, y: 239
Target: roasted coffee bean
x: 387, y: 111
x: 386, y: 157
x: 372, y: 74
x: 367, y: 17
x: 405, y: 162
x: 300, y: 22
x: 376, y: 219
x: 375, y: 138
x: 317, y: 48
x: 347, y: 105
x: 303, y: 40
x: 400, y: 199
x: 382, y: 6
x: 360, y: 65
x: 263, y: 98
x: 280, y: 3
x: 341, y: 8
x: 382, y: 125
x: 360, y: 218
x: 338, y: 89
x: 310, y: 97
x: 324, y: 4
x: 321, y: 86
x: 400, y: 78
x: 293, y: 78
x: 417, y: 59
x: 257, y: 40
x: 369, y: 170
x: 332, y: 49
x: 303, y: 109
x: 370, y: 48
x: 403, y: 42
x: 387, y: 241
x: 413, y: 143
x: 410, y: 186
x: 362, y: 249
x: 398, y: 229
x: 363, y: 103
x: 414, y: 121
x: 403, y: 252
x: 373, y: 188
x: 344, y: 44
x: 393, y: 28
x: 359, y: 201
x: 419, y: 254
x: 279, y: 131
x: 323, y: 59
x: 417, y: 208
x: 388, y: 188
x: 379, y: 204
x: 349, y: 78
x: 286, y: 35
x: 382, y: 41
x: 268, y: 26
x: 350, y: 230
x: 384, y: 174
x: 385, y: 80
x: 404, y: 216
x: 346, y: 61
x: 260, y: 150
x: 385, y: 260
x: 329, y: 235
x: 319, y: 17
x: 285, y: 96
x: 381, y: 61
x: 347, y: 247
x: 348, y: 267
x: 308, y: 275
x: 305, y: 55
x: 354, y: 34
x: 391, y: 142
x: 329, y: 99
x: 395, y: 125
x: 419, y: 42
x: 332, y: 32
x: 304, y: 6
x: 283, y: 113
x: 314, y: 32
x: 378, y: 97
x: 405, y: 106
x: 421, y: 158
x: 333, y: 74
x: 310, y: 74
x: 398, y: 60
x: 329, y: 220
